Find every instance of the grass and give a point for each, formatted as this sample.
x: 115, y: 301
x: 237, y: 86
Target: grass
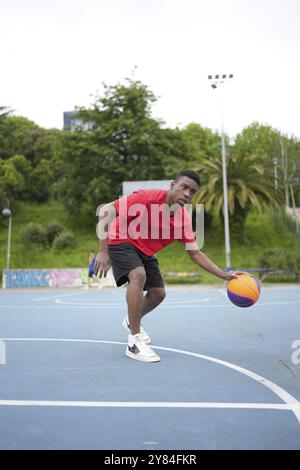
x: 39, y: 257
x: 262, y: 232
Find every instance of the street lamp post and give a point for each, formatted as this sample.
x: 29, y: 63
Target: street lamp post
x: 284, y: 164
x: 215, y: 81
x: 275, y: 161
x: 295, y: 181
x: 8, y: 213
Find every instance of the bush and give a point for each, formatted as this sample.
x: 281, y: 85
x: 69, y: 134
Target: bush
x: 282, y: 259
x: 33, y: 234
x: 64, y: 240
x: 52, y: 231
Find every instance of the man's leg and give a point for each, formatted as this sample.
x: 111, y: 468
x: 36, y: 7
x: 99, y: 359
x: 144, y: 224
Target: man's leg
x: 135, y: 297
x: 154, y: 296
x: 137, y: 348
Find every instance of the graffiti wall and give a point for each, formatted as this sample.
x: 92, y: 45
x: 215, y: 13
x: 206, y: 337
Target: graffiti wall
x: 51, y: 278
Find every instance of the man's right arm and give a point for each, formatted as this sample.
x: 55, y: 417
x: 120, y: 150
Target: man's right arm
x: 107, y: 214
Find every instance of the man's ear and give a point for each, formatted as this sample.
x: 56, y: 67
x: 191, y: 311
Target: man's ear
x: 172, y: 184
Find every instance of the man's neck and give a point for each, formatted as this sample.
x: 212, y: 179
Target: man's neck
x: 169, y: 200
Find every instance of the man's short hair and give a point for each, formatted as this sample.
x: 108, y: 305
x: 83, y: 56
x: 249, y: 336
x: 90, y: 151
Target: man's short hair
x: 190, y: 174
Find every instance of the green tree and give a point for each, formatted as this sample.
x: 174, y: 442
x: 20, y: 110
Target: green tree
x: 123, y: 143
x: 14, y: 178
x: 257, y: 139
x: 271, y: 148
x: 40, y: 147
x: 14, y: 132
x: 248, y: 189
x: 4, y: 111
x: 176, y: 152
x: 41, y: 180
x: 289, y: 167
x: 202, y: 143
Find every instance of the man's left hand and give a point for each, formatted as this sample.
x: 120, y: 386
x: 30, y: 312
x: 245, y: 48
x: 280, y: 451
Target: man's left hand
x: 234, y: 275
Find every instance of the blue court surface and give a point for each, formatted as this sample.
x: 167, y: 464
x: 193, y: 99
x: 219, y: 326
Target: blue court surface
x: 229, y: 378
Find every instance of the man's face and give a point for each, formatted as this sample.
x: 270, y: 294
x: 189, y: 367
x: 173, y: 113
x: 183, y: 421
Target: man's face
x: 183, y: 190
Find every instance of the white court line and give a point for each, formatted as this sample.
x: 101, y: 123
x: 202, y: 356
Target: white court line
x: 292, y: 402
x: 223, y: 292
x: 187, y: 304
x: 71, y: 306
x: 37, y: 299
x: 121, y: 304
x: 149, y: 404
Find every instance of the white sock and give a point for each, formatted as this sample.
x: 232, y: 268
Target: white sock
x: 132, y: 338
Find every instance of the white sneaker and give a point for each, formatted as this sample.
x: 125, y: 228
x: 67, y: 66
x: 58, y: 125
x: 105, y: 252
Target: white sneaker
x: 145, y: 336
x: 137, y: 349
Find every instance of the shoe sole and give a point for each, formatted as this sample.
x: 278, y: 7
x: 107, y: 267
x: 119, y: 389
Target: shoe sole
x: 124, y: 324
x: 141, y: 358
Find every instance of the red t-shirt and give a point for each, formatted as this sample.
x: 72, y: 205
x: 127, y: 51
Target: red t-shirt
x: 144, y: 221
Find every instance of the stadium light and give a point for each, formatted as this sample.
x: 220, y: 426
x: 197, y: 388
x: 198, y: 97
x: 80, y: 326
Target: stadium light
x: 7, y: 213
x: 217, y: 81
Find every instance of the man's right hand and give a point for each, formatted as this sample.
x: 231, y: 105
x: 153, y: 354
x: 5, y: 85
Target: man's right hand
x: 102, y: 264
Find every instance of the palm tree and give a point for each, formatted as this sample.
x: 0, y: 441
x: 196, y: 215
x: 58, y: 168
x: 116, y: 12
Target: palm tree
x: 4, y: 111
x: 248, y: 187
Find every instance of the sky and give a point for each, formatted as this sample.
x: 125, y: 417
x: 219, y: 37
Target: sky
x: 56, y: 54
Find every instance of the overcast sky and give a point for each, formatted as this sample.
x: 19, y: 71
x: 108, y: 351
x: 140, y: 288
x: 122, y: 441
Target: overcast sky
x: 55, y: 54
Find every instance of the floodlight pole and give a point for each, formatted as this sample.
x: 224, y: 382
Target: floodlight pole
x: 214, y: 81
x: 225, y: 193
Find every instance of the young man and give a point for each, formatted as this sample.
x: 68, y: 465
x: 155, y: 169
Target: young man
x: 138, y: 226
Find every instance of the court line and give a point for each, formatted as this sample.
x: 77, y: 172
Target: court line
x: 147, y: 404
x: 292, y: 402
x: 119, y: 304
x: 187, y: 304
x: 223, y: 292
x: 100, y: 305
x: 56, y: 296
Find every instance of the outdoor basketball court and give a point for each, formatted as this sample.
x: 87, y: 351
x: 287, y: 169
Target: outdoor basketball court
x: 229, y: 378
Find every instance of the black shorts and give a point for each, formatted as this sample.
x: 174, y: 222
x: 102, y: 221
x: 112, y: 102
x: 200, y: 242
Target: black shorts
x: 125, y: 257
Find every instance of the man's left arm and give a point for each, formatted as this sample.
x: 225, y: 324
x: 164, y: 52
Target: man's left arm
x: 204, y: 262
x: 200, y: 258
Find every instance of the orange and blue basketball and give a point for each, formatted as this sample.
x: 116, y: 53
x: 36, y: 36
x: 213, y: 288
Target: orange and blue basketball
x: 244, y: 291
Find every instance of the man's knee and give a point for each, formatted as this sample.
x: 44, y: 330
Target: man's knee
x: 158, y: 294
x: 137, y: 276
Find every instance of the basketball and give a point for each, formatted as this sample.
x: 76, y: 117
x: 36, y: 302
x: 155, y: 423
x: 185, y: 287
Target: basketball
x: 244, y: 291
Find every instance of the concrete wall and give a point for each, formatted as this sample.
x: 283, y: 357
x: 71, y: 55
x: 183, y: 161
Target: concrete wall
x: 50, y: 278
